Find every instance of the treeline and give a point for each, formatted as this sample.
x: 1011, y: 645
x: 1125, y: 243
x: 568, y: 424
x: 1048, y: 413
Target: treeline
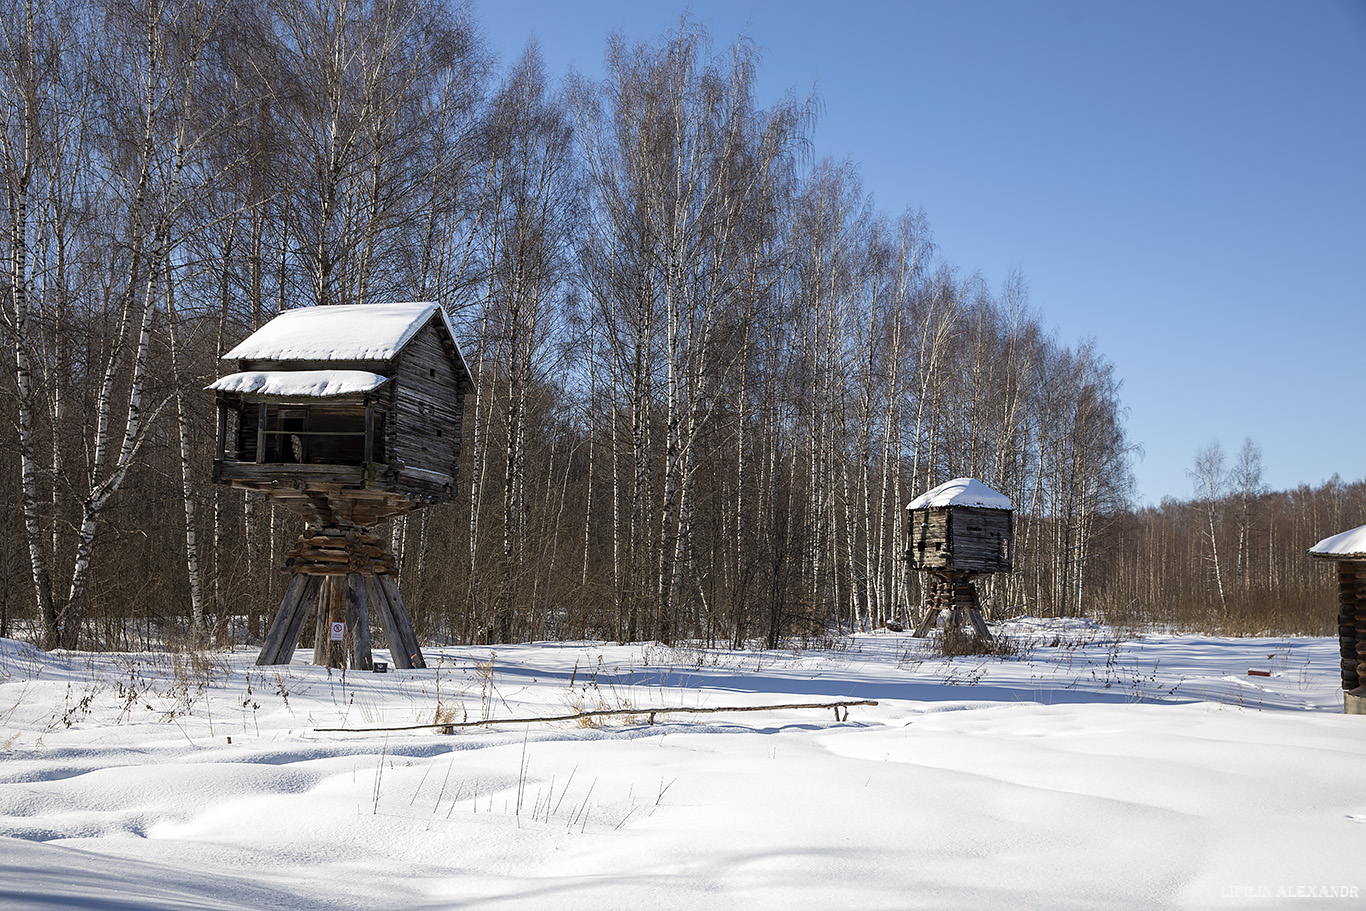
x: 1232, y: 559
x: 709, y: 372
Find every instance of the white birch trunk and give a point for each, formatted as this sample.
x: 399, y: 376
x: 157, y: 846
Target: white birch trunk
x: 187, y: 485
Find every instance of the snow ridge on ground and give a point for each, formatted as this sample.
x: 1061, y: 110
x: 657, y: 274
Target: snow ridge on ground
x: 1090, y: 773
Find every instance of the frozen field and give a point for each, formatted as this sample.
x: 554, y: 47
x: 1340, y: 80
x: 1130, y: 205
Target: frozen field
x: 1089, y: 774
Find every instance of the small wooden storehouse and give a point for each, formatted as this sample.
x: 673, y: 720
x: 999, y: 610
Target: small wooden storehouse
x: 348, y: 416
x: 958, y: 530
x: 1348, y: 551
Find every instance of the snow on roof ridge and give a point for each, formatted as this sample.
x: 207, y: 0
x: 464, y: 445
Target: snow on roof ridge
x: 344, y: 332
x: 1350, y: 543
x: 961, y: 492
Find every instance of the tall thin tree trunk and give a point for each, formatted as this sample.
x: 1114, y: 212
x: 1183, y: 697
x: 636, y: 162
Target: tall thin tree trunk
x: 187, y: 485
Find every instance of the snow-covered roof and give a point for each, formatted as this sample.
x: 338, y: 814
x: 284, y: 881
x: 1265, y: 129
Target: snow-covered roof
x: 961, y: 492
x: 301, y: 383
x: 1346, y: 544
x: 350, y: 332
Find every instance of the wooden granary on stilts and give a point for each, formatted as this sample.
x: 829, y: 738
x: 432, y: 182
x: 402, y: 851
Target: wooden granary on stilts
x: 1348, y: 552
x: 958, y: 531
x: 349, y: 416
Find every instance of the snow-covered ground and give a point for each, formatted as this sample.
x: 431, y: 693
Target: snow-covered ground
x: 1089, y: 773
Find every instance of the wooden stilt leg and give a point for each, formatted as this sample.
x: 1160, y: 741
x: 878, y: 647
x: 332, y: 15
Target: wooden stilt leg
x: 972, y: 608
x: 931, y: 615
x: 932, y: 607
x: 401, y: 624
x: 978, y: 623
x: 336, y: 613
x: 380, y: 604
x: 358, y: 623
x: 320, y: 629
x: 343, y: 572
x: 278, y: 646
x: 331, y: 609
x: 307, y: 605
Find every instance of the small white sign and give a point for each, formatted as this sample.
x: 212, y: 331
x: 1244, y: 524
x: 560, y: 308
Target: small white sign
x: 338, y: 632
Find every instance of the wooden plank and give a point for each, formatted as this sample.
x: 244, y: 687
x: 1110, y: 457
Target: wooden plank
x: 428, y: 408
x: 980, y: 539
x: 312, y: 475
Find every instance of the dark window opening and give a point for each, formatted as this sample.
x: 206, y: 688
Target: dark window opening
x: 310, y: 435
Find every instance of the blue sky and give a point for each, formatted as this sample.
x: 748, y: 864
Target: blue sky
x: 1184, y: 183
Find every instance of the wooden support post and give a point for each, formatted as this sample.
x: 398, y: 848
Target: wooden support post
x: 932, y: 607
x: 357, y: 622
x: 331, y: 609
x: 397, y: 652
x: 966, y: 593
x: 320, y: 628
x: 275, y: 636
x: 955, y: 594
x: 931, y: 615
x: 978, y: 623
x: 261, y: 433
x: 300, y: 598
x: 308, y: 604
x: 341, y: 574
x: 369, y: 431
x: 407, y: 640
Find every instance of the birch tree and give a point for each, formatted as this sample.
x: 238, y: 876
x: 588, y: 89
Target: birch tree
x: 675, y: 151
x: 1210, y: 477
x: 529, y: 218
x: 30, y: 70
x: 357, y: 78
x: 1248, y: 487
x: 153, y: 58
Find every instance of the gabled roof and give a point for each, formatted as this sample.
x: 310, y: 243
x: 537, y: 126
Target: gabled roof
x: 352, y: 332
x: 300, y: 383
x: 1351, y: 543
x: 961, y: 492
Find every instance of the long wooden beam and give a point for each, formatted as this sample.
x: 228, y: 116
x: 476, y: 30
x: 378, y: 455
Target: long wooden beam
x: 600, y: 713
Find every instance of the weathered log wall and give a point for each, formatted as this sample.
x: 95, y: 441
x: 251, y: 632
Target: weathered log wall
x: 429, y: 406
x: 966, y: 538
x: 1352, y: 621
